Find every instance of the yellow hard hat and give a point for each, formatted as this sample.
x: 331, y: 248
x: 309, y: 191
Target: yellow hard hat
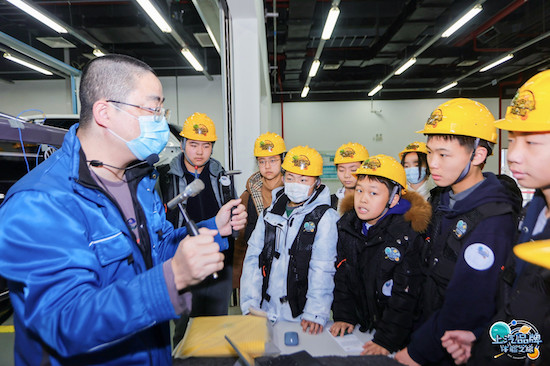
x: 383, y: 166
x: 199, y: 127
x: 530, y: 108
x: 350, y: 152
x: 416, y: 146
x: 269, y: 144
x: 303, y: 160
x: 464, y: 117
x: 536, y: 252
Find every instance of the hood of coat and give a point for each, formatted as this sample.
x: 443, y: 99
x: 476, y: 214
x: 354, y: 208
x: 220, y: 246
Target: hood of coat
x: 176, y: 166
x: 419, y: 215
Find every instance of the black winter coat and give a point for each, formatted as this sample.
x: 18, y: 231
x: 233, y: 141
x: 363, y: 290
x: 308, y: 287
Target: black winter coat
x: 372, y: 288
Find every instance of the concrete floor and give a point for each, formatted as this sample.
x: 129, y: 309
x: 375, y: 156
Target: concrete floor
x: 6, y: 343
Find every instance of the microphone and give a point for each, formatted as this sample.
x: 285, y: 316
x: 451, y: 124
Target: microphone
x: 192, y: 189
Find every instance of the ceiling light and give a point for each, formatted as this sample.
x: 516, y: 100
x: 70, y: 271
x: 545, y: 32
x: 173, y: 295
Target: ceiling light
x: 192, y: 60
x: 305, y: 91
x: 497, y: 62
x: 314, y: 67
x: 405, y: 66
x: 375, y: 90
x: 330, y: 23
x: 38, y: 16
x: 27, y: 64
x: 155, y: 15
x: 445, y: 88
x: 465, y: 19
x: 98, y: 53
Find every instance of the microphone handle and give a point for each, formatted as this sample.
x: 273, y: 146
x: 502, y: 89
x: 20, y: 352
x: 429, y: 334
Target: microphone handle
x: 192, y: 228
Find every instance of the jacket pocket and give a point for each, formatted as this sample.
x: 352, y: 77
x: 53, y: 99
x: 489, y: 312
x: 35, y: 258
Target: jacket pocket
x: 111, y: 248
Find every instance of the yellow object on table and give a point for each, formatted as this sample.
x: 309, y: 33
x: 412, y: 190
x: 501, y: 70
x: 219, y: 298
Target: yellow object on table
x: 205, y: 336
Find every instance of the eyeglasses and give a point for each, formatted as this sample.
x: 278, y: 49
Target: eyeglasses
x: 271, y: 161
x: 158, y: 112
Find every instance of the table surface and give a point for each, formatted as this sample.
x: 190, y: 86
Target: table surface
x: 322, y: 344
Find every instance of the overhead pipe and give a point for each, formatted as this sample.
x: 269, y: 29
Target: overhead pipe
x: 499, y: 16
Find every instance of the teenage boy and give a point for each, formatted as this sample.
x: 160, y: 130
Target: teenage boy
x: 525, y: 287
x: 288, y: 269
x: 211, y: 297
x: 472, y: 230
x: 348, y: 159
x: 378, y: 277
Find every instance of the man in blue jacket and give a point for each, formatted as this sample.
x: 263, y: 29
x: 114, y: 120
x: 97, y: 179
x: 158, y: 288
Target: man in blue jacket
x: 94, y: 269
x: 471, y: 234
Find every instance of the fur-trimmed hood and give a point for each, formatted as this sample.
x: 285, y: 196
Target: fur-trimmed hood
x: 419, y: 215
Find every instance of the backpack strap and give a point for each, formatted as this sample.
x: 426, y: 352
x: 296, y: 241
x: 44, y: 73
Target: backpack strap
x: 300, y: 256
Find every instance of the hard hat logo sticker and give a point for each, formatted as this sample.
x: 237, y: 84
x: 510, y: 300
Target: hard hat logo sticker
x: 413, y: 146
x: 301, y: 161
x: 372, y: 164
x: 267, y: 145
x: 435, y: 118
x: 523, y: 103
x: 348, y: 152
x: 200, y: 129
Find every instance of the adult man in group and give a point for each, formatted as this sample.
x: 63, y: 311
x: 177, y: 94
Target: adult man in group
x: 94, y: 269
x: 195, y: 162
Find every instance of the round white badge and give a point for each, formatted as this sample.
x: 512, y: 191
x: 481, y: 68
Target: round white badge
x: 479, y: 256
x: 387, y: 287
x: 225, y: 181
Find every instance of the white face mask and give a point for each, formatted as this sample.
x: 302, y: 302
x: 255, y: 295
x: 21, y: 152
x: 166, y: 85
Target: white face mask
x: 413, y: 177
x: 297, y: 192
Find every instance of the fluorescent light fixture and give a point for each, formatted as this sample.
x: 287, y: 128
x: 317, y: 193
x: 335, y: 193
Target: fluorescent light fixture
x: 375, y: 90
x: 305, y: 91
x: 27, y: 64
x: 155, y: 15
x: 330, y: 23
x: 465, y: 19
x: 98, y: 53
x: 39, y: 16
x: 314, y: 67
x: 405, y: 66
x: 445, y: 88
x: 192, y: 60
x: 497, y: 62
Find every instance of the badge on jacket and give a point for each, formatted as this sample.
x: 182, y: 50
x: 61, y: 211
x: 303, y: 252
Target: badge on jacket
x: 479, y: 256
x: 392, y: 254
x: 309, y: 226
x: 225, y: 181
x: 460, y: 229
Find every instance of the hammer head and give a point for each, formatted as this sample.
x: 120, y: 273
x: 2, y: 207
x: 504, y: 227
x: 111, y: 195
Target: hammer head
x: 232, y: 172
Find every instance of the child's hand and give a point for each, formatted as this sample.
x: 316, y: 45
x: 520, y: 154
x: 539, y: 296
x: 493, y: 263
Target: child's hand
x: 341, y: 328
x: 314, y: 328
x: 371, y: 348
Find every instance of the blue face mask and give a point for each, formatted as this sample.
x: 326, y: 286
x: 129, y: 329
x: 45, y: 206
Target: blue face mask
x: 413, y: 176
x: 153, y: 138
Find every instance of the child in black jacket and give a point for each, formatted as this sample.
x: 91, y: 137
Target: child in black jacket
x: 378, y: 278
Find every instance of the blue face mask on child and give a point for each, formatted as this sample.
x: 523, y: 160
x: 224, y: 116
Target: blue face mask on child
x: 152, y: 139
x: 413, y: 176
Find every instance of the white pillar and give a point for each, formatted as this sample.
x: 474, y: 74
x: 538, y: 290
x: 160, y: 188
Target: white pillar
x: 251, y: 96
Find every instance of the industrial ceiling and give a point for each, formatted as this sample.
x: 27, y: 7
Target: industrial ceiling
x: 371, y: 40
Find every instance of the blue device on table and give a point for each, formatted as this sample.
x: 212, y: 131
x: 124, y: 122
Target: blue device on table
x: 291, y: 338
